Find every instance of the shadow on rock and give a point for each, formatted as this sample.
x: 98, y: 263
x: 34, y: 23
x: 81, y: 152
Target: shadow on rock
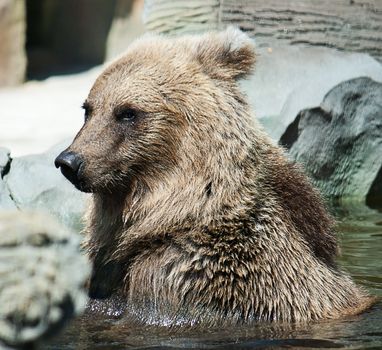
x: 340, y: 142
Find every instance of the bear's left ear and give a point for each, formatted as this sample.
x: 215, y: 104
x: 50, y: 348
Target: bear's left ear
x: 227, y: 54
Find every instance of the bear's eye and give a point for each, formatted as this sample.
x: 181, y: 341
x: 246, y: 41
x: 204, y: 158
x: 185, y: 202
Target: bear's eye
x: 125, y: 114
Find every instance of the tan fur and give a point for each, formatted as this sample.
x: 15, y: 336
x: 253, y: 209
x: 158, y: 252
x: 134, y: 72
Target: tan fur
x: 197, y: 217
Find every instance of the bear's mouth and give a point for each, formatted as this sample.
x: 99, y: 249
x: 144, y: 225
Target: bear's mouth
x: 83, y: 186
x: 80, y: 182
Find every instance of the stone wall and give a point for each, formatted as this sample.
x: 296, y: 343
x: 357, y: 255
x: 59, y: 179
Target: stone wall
x: 349, y: 25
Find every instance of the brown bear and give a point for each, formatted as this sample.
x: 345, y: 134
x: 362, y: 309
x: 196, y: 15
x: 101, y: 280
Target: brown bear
x: 197, y: 217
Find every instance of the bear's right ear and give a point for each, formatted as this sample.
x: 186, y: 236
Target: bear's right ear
x: 227, y: 54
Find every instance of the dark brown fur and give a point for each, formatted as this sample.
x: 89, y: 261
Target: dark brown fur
x: 196, y: 216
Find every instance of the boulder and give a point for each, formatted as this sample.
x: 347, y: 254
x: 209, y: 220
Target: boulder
x: 340, y: 141
x: 35, y: 183
x: 12, y: 39
x: 43, y: 275
x: 288, y: 79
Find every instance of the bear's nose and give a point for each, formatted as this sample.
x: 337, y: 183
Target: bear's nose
x: 70, y: 164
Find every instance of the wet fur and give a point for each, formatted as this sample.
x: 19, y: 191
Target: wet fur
x: 198, y: 217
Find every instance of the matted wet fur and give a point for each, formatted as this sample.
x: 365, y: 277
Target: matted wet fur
x: 196, y: 215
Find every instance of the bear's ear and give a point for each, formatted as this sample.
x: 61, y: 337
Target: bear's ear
x: 226, y: 54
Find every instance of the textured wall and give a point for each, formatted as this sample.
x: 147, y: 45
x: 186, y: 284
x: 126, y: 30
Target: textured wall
x: 179, y: 16
x: 351, y: 25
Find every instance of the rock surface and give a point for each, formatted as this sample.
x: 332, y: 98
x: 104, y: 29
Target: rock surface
x: 12, y: 39
x: 180, y: 17
x: 348, y: 25
x: 289, y: 79
x: 5, y: 197
x: 34, y: 183
x: 42, y: 277
x: 340, y: 142
x: 4, y: 160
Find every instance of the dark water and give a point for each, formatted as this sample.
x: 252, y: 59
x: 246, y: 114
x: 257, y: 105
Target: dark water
x: 361, y: 240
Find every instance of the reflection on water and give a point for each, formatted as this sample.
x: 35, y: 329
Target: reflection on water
x: 361, y: 240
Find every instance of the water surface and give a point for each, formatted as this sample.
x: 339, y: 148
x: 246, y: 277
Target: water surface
x: 360, y: 231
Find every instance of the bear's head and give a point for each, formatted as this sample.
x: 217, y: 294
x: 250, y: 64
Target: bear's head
x: 167, y: 105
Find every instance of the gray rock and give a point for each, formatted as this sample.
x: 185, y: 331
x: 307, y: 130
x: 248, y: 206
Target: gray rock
x: 12, y: 39
x: 288, y: 79
x: 6, y: 201
x: 5, y: 159
x: 34, y: 183
x: 42, y: 277
x: 340, y: 142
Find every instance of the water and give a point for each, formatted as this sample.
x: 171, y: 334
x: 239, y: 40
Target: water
x: 361, y: 241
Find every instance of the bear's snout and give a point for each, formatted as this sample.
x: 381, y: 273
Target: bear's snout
x: 70, y: 164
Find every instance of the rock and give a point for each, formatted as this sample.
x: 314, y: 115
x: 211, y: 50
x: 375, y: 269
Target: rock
x: 12, y: 39
x: 5, y: 160
x: 287, y: 80
x: 42, y: 277
x: 34, y: 183
x: 5, y: 197
x: 340, y: 142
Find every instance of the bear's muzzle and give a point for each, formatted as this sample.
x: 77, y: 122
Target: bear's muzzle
x: 71, y: 165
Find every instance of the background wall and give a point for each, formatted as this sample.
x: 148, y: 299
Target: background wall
x: 40, y: 38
